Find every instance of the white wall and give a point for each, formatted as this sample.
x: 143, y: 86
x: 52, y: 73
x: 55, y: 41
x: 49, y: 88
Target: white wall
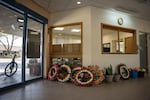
x: 109, y: 17
x: 92, y: 18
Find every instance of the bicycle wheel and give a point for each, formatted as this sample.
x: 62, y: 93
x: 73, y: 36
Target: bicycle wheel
x: 11, y: 69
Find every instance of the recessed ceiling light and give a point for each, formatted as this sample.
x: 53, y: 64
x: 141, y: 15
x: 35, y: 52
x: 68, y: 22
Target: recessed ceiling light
x: 20, y: 27
x: 59, y: 28
x: 21, y: 20
x: 78, y: 2
x: 75, y: 30
x: 34, y: 33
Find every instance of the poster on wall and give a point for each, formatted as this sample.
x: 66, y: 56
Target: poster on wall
x: 33, y: 44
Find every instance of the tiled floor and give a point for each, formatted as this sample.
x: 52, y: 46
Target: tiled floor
x: 132, y: 89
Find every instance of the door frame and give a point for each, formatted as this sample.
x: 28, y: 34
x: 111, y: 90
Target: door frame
x: 148, y: 48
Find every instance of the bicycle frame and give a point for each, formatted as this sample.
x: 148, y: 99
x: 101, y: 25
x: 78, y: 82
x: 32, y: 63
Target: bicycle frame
x: 13, y: 59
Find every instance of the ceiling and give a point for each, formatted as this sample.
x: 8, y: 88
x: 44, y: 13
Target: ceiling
x: 10, y: 25
x: 8, y: 21
x: 137, y: 8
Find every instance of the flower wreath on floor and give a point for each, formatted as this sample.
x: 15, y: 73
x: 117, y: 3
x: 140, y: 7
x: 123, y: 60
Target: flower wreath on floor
x: 53, y: 72
x: 64, y: 73
x: 123, y: 71
x: 74, y: 70
x: 98, y: 74
x: 84, y: 77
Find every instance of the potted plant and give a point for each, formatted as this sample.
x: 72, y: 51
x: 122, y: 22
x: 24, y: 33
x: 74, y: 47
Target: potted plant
x: 109, y: 74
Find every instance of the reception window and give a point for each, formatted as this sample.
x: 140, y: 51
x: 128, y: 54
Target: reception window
x: 118, y: 40
x: 66, y: 43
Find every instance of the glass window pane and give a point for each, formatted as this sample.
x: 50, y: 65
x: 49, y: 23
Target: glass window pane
x: 126, y: 42
x: 66, y: 39
x: 110, y: 40
x: 66, y: 44
x: 118, y: 40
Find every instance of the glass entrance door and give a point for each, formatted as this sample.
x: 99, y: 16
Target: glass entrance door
x: 11, y: 34
x: 21, y: 44
x: 33, y: 67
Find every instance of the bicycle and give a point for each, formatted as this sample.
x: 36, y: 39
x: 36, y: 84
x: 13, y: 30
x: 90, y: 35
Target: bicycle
x: 11, y: 67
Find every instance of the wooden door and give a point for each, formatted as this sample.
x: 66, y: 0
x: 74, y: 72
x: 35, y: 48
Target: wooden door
x: 129, y: 45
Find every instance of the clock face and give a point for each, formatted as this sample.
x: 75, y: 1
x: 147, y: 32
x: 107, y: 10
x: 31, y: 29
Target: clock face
x: 120, y: 21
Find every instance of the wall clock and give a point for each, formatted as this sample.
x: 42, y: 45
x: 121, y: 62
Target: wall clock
x: 120, y: 21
